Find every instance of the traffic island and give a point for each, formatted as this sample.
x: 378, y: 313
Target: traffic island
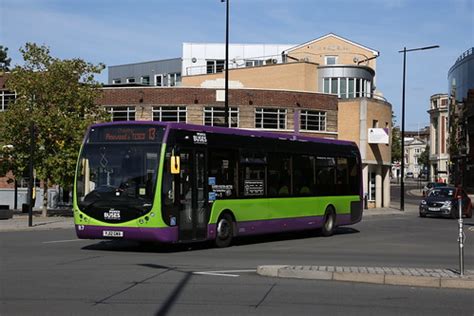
x: 438, y: 278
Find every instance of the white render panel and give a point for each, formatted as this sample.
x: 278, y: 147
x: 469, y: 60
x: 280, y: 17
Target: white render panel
x: 200, y: 52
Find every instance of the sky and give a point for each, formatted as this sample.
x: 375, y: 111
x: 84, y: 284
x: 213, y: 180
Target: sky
x: 117, y: 32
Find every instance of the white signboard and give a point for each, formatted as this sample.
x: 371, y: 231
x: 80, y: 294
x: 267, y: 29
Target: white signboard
x: 378, y: 136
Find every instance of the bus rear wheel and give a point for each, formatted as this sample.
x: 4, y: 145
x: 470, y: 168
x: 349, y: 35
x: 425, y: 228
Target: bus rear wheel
x: 225, y: 231
x: 329, y: 224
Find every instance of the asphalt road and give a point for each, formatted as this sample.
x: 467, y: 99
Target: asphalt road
x: 52, y: 273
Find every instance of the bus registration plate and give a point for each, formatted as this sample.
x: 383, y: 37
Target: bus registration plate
x: 112, y: 233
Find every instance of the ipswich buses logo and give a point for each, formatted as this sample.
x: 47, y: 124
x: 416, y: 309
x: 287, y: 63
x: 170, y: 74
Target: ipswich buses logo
x: 112, y: 214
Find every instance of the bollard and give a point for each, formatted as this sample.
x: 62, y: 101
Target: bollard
x: 461, y: 238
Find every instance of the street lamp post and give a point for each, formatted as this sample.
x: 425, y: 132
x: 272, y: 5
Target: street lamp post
x: 402, y: 165
x: 226, y: 102
x: 31, y: 182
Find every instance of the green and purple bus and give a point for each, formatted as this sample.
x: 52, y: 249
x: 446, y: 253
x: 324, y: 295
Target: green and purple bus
x: 176, y: 183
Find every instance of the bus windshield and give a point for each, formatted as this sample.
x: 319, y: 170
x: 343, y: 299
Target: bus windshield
x: 118, y: 175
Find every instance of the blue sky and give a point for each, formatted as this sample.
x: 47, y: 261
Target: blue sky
x: 125, y: 31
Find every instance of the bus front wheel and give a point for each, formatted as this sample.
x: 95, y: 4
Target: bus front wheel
x: 225, y: 231
x: 329, y: 224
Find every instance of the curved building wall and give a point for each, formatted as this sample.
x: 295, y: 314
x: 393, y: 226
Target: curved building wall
x: 347, y: 81
x: 461, y: 75
x: 461, y: 116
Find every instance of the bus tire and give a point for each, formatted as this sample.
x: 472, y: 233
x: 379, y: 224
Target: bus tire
x: 224, y: 231
x: 329, y: 223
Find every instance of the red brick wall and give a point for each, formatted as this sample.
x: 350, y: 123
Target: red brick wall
x: 152, y: 95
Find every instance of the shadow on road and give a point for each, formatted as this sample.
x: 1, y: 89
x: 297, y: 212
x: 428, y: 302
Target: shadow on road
x: 135, y: 246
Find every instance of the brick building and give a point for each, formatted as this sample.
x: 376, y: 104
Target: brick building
x: 326, y: 86
x: 315, y: 113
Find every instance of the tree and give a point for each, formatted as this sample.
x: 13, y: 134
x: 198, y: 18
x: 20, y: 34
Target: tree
x: 424, y: 158
x: 4, y: 61
x: 396, y: 142
x: 57, y: 97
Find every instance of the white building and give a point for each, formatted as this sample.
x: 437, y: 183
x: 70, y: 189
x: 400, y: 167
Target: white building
x: 439, y: 135
x: 414, y: 147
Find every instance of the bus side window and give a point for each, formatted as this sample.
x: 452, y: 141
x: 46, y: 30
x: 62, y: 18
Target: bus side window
x: 353, y: 176
x: 279, y: 174
x: 252, y: 170
x: 303, y: 166
x: 325, y: 176
x: 222, y: 178
x: 342, y: 176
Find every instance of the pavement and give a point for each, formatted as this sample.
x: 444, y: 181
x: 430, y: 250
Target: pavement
x: 57, y: 219
x: 438, y: 278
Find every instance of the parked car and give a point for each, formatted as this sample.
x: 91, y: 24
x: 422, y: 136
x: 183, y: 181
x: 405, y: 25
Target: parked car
x: 409, y: 175
x: 431, y: 185
x: 443, y: 201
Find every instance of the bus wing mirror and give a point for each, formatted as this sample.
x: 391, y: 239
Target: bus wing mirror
x: 175, y: 165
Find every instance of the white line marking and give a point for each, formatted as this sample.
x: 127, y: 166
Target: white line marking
x: 217, y: 274
x: 224, y: 272
x: 59, y: 241
x: 233, y: 271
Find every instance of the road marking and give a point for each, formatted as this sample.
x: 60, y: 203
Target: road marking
x: 60, y: 241
x: 226, y: 273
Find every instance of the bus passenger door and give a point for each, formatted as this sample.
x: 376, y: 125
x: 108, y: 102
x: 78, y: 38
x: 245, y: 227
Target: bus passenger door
x: 194, y: 213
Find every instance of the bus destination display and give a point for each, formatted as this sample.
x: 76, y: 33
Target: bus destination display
x: 126, y: 134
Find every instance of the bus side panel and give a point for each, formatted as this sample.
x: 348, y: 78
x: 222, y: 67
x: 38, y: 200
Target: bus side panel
x: 254, y: 216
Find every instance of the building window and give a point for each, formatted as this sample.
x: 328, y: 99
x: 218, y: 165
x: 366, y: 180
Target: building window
x: 347, y: 87
x: 350, y: 91
x: 145, y: 80
x: 334, y: 86
x: 330, y: 60
x: 270, y: 118
x: 159, y: 80
x: 168, y: 80
x: 130, y: 80
x: 253, y: 62
x: 371, y: 190
x: 169, y: 114
x: 215, y: 116
x: 116, y: 81
x: 121, y: 113
x: 342, y: 88
x: 6, y: 98
x: 326, y: 85
x: 313, y: 120
x: 174, y: 79
x: 214, y: 66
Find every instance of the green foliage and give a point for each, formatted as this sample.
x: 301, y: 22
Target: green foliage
x: 424, y: 158
x: 396, y: 142
x: 4, y: 60
x: 58, y: 97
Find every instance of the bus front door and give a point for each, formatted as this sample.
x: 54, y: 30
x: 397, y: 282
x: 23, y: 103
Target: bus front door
x: 193, y: 215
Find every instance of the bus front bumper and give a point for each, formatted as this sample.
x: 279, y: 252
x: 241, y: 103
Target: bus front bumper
x: 165, y: 235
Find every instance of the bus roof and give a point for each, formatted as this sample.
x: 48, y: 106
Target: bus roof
x: 231, y: 131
